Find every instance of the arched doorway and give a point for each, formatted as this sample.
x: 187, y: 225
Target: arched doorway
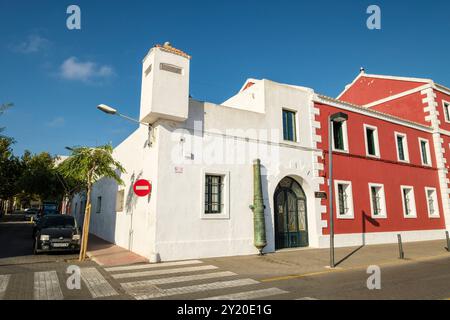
x: 291, y: 225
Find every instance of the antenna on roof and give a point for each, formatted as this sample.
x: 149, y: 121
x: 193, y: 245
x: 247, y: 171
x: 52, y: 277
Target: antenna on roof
x: 362, y: 70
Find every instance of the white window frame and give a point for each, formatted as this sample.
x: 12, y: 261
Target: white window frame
x: 376, y: 141
x: 427, y: 150
x: 413, y: 214
x: 225, y: 214
x: 443, y: 110
x: 383, y: 201
x: 437, y: 215
x: 344, y: 136
x: 405, y: 146
x: 350, y: 214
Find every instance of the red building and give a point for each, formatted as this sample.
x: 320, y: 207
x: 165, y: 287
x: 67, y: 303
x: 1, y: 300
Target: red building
x: 390, y: 159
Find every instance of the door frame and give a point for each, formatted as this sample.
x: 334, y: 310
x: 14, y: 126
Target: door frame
x: 303, y: 236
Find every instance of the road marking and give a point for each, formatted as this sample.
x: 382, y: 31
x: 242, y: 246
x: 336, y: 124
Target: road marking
x: 158, y: 293
x: 46, y: 286
x: 359, y: 267
x: 139, y: 288
x: 306, y: 298
x: 154, y: 265
x: 255, y: 294
x: 160, y: 272
x: 4, y: 280
x: 96, y: 283
x: 298, y: 276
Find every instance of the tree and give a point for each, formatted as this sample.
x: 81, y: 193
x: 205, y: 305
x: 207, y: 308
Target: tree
x: 10, y: 169
x: 3, y: 108
x: 89, y: 165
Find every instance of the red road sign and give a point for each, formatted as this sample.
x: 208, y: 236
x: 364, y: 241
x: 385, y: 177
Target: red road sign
x: 142, y: 188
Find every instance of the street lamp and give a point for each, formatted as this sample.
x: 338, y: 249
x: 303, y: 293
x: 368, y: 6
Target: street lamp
x: 111, y: 111
x: 336, y: 117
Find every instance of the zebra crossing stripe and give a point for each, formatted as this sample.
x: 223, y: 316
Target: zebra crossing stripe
x: 159, y: 293
x: 46, y: 286
x: 96, y: 283
x: 154, y: 265
x: 161, y: 272
x: 139, y: 288
x: 254, y: 294
x: 4, y: 280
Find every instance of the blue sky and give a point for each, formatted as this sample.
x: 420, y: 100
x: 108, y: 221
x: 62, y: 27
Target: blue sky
x: 56, y: 77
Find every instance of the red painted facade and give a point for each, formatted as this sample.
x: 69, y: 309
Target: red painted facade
x: 358, y: 168
x: 368, y: 89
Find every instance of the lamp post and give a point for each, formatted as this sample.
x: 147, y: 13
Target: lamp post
x: 336, y: 117
x: 111, y: 111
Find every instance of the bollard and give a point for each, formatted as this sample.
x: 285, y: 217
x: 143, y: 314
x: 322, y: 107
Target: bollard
x: 400, y: 247
x: 448, y: 241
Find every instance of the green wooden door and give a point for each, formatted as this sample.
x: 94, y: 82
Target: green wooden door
x: 291, y: 229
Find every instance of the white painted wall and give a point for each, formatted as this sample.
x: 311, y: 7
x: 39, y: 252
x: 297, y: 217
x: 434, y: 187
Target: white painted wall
x: 164, y: 94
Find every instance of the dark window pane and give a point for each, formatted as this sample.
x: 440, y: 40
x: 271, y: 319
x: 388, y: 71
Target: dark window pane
x: 289, y: 125
x: 370, y: 141
x: 338, y: 136
x: 213, y: 194
x: 401, y: 150
x: 423, y: 145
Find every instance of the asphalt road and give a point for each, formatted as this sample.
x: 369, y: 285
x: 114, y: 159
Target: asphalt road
x: 26, y: 276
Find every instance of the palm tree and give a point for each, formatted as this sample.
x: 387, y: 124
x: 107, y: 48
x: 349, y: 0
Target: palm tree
x: 89, y: 165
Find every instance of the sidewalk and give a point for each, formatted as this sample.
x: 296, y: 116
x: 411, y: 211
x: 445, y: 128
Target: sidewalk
x: 107, y: 254
x: 297, y: 263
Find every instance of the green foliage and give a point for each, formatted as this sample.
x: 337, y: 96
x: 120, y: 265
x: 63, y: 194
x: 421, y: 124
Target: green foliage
x: 39, y: 177
x: 88, y: 165
x: 3, y: 108
x: 10, y: 169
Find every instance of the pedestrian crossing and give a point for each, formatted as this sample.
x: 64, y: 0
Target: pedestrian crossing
x: 192, y: 279
x: 4, y: 280
x: 53, y: 285
x: 187, y: 279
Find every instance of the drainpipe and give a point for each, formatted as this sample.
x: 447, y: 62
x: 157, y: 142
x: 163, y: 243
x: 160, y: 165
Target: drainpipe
x: 258, y: 207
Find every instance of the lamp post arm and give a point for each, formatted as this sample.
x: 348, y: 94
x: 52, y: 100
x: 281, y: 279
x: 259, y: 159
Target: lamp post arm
x: 133, y: 120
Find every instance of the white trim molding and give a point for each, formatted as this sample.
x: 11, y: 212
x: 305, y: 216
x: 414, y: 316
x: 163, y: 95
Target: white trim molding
x: 344, y: 137
x: 350, y: 214
x: 446, y: 110
x: 412, y: 202
x: 429, y: 162
x: 382, y: 197
x: 437, y: 214
x: 225, y: 199
x: 376, y: 141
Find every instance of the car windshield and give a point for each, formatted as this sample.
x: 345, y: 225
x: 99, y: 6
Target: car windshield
x: 58, y: 222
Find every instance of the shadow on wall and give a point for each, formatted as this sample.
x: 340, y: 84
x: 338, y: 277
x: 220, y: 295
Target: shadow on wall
x: 131, y: 200
x: 365, y: 219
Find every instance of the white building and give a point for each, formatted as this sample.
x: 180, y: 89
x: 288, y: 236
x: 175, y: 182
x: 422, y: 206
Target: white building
x: 199, y: 158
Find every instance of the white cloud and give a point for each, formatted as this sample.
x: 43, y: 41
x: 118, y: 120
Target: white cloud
x: 56, y: 122
x: 33, y: 44
x: 72, y: 69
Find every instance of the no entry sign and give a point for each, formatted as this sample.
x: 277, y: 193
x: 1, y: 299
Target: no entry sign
x: 142, y: 188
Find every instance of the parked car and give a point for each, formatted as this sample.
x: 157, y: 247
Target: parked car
x: 45, y: 212
x: 56, y: 233
x: 30, y: 214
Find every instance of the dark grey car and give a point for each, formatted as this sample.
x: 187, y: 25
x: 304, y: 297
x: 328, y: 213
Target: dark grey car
x: 56, y: 233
